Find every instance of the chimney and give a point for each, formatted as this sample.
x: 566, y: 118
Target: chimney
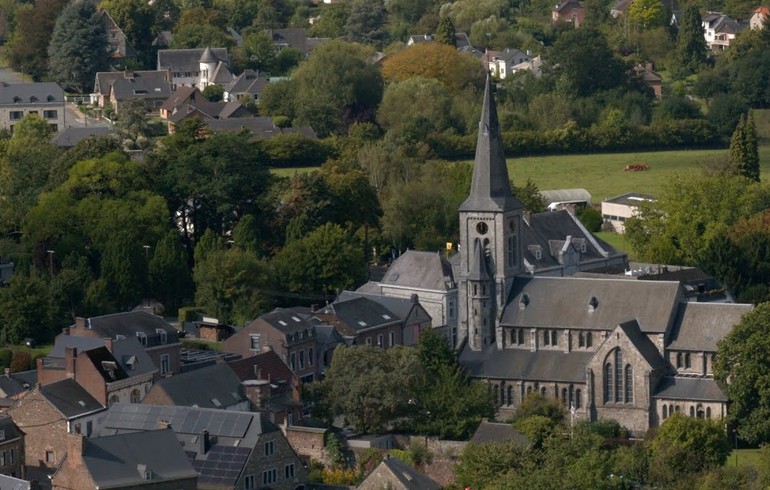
x: 80, y: 322
x: 7, y: 372
x: 164, y: 424
x: 204, y: 443
x: 65, y: 331
x: 70, y: 357
x: 108, y: 343
x: 75, y: 446
x: 414, y: 299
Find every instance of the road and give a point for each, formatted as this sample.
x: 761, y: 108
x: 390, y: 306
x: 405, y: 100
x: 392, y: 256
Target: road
x: 73, y: 117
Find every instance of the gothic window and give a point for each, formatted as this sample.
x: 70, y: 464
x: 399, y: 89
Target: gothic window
x: 497, y: 391
x: 510, y: 395
x: 687, y: 361
x: 665, y: 412
x: 502, y: 394
x: 542, y: 391
x: 134, y: 396
x: 581, y: 340
x: 571, y: 395
x: 520, y: 335
x: 677, y: 409
x: 618, y: 378
x: 564, y: 396
x: 588, y: 339
x: 607, y: 382
x: 692, y: 411
x: 554, y: 337
x: 678, y: 359
x: 699, y: 411
x: 629, y: 374
x: 578, y: 399
x: 546, y: 337
x: 529, y: 390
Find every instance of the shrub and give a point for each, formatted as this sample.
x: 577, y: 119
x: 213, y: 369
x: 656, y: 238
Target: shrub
x: 5, y: 358
x: 591, y: 219
x: 21, y: 361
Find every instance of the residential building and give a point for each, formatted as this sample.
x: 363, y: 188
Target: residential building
x: 72, y: 136
x: 12, y: 449
x: 48, y: 413
x: 289, y: 332
x: 189, y: 102
x: 605, y: 348
x: 247, y: 84
x: 45, y: 99
x: 462, y: 41
x: 140, y: 460
x: 109, y: 370
x: 570, y: 11
x: 617, y: 210
x: 759, y: 17
x: 392, y: 473
x: 271, y: 386
x: 151, y: 91
x: 104, y: 81
x: 214, y: 386
x: 199, y: 67
x: 500, y: 63
x: 719, y: 30
x: 413, y: 316
x: 362, y: 321
x: 498, y: 432
x: 649, y: 77
x: 117, y: 45
x: 159, y: 339
x: 229, y: 450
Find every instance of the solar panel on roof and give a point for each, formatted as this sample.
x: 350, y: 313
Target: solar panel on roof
x: 202, y: 423
x: 188, y: 424
x: 228, y: 424
x: 241, y: 425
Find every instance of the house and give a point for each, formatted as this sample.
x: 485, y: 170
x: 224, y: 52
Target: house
x: 152, y: 459
x: 189, y: 102
x: 620, y: 8
x: 719, y: 30
x: 500, y: 63
x: 45, y: 99
x: 288, y: 38
x: 72, y: 136
x: 603, y: 347
x: 152, y: 91
x: 11, y: 388
x: 247, y: 84
x: 105, y: 79
x: 652, y: 79
x: 617, y: 210
x: 117, y: 45
x: 271, y: 386
x: 159, y: 339
x: 289, y: 332
x: 214, y: 386
x: 759, y: 17
x: 535, y: 65
x: 197, y: 67
x: 570, y: 11
x: 392, y: 473
x: 566, y: 198
x: 362, y: 321
x: 697, y: 285
x: 109, y: 370
x: 12, y: 449
x: 461, y: 40
x: 229, y: 450
x: 498, y: 432
x: 411, y: 313
x: 48, y: 413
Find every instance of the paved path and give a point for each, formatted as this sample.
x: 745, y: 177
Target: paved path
x: 9, y: 76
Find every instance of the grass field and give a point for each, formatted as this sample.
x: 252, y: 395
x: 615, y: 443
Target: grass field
x: 745, y: 457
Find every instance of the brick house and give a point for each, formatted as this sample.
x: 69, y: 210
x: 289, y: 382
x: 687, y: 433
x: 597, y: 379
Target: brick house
x: 271, y: 386
x: 392, y: 473
x: 229, y: 450
x: 362, y: 321
x: 289, y: 332
x: 12, y: 456
x: 413, y: 316
x: 110, y: 370
x: 48, y: 413
x: 151, y: 460
x: 160, y: 340
x: 570, y: 11
x: 215, y: 386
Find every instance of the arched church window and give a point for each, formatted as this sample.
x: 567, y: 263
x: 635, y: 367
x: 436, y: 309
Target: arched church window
x: 699, y: 411
x: 678, y: 359
x: 578, y: 399
x: 543, y: 391
x: 564, y: 399
x: 546, y: 337
x: 629, y: 380
x: 510, y: 395
x: 692, y: 411
x: 529, y: 390
x: 618, y: 378
x: 554, y: 337
x: 588, y: 339
x: 581, y: 340
x: 687, y: 361
x: 665, y: 412
x: 607, y: 382
x: 497, y: 392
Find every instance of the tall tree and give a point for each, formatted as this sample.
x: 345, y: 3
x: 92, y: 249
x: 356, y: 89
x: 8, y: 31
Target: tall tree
x: 690, y: 53
x: 744, y: 148
x: 28, y: 47
x: 455, y: 70
x: 136, y: 19
x: 169, y: 275
x: 366, y: 22
x: 24, y: 309
x: 647, y: 14
x: 78, y: 47
x: 445, y: 32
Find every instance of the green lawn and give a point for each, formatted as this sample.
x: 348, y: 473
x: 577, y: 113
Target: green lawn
x: 602, y: 175
x: 289, y: 172
x: 745, y: 457
x: 617, y: 241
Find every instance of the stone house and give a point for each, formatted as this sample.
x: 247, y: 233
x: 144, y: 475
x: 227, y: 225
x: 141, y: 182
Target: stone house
x: 48, y: 413
x: 362, y: 321
x: 229, y: 450
x: 759, y: 17
x: 570, y: 11
x: 159, y: 339
x: 602, y: 347
x: 214, y: 386
x: 104, y: 80
x: 45, y: 99
x: 117, y: 45
x: 12, y: 449
x: 392, y: 473
x: 411, y: 313
x: 199, y: 67
x: 289, y: 332
x: 140, y: 460
x: 110, y: 370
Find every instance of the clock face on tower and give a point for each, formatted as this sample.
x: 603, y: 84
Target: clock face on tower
x: 482, y: 228
x: 512, y: 226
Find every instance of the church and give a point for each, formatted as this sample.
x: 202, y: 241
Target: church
x: 606, y: 347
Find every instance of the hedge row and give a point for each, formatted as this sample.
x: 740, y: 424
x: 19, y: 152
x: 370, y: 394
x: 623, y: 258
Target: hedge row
x: 659, y: 136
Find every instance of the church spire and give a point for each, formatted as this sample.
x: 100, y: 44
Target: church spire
x: 491, y: 188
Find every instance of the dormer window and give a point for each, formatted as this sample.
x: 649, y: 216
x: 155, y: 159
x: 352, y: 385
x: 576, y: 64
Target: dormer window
x: 142, y: 338
x: 50, y: 98
x: 16, y: 99
x: 163, y: 335
x: 593, y: 304
x: 33, y: 99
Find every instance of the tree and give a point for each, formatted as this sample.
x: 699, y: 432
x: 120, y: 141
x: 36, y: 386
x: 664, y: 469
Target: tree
x: 170, y: 279
x: 690, y: 53
x: 370, y: 386
x: 27, y: 50
x: 25, y: 309
x: 445, y: 33
x: 257, y: 52
x: 137, y: 21
x: 647, y: 14
x: 213, y: 93
x: 78, y: 47
x: 482, y: 464
x: 133, y: 125
x: 321, y: 263
x: 417, y: 97
x: 433, y: 60
x: 744, y: 148
x: 124, y: 269
x: 366, y: 22
x: 685, y: 445
x: 331, y: 23
x: 743, y: 369
x: 87, y: 149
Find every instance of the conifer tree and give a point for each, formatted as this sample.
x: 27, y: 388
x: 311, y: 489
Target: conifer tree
x: 690, y: 44
x: 445, y: 32
x: 744, y: 149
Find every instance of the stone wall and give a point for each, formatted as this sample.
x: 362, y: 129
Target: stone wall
x: 444, y: 454
x: 45, y: 429
x: 308, y: 442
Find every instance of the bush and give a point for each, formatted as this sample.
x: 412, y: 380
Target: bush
x: 189, y: 313
x: 5, y: 358
x: 591, y: 219
x: 281, y: 122
x: 21, y: 361
x: 295, y: 150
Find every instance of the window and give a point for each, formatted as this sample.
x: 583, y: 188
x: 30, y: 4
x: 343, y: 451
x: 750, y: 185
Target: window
x: 13, y: 455
x: 581, y: 340
x: 142, y: 338
x: 678, y: 359
x: 114, y: 399
x: 269, y: 476
x: 254, y: 342
x: 380, y: 340
x: 16, y: 115
x: 49, y: 457
x: 3, y: 458
x: 687, y: 361
x: 665, y: 412
x: 310, y: 356
x: 578, y: 399
x: 135, y: 396
x: 542, y: 391
x: 546, y: 338
x: 618, y: 379
x: 269, y: 448
x: 302, y: 359
x: 165, y: 364
x: 564, y: 396
x: 391, y: 339
x: 288, y: 471
x: 554, y: 337
x: 497, y: 392
x: 510, y: 395
x: 629, y: 379
x: 511, y: 253
x: 163, y: 335
x: 249, y: 483
x: 588, y: 339
x: 293, y: 361
x: 607, y: 382
x: 708, y: 412
x: 451, y: 309
x: 50, y: 114
x: 692, y: 411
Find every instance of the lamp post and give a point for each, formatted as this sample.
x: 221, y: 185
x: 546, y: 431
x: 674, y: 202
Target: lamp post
x: 735, y: 437
x: 50, y: 260
x: 147, y: 272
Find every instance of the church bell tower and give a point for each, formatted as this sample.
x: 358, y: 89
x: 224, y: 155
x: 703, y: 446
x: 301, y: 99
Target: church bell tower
x: 490, y: 224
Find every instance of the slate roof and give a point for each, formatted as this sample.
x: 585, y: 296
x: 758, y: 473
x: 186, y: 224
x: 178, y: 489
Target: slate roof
x: 214, y: 386
x: 248, y: 82
x: 686, y: 388
x: 106, y: 365
x: 30, y: 93
x: 291, y: 37
x: 498, y: 432
x: 11, y: 386
x: 72, y: 136
x: 327, y: 335
x: 357, y: 315
x: 564, y: 302
x: 699, y: 326
x: 402, y: 307
x: 408, y: 477
x: 141, y: 88
x: 118, y: 461
x: 566, y: 195
x: 26, y: 377
x: 104, y: 79
x: 269, y: 363
x: 643, y: 344
x: 69, y: 398
x: 82, y: 344
x: 422, y: 270
x: 187, y: 60
x: 524, y: 364
x: 11, y: 483
x: 9, y: 428
x: 289, y: 320
x: 128, y: 353
x: 127, y: 324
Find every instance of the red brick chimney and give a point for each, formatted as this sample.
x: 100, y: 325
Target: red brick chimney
x: 108, y: 343
x: 70, y: 357
x: 75, y: 446
x: 80, y: 322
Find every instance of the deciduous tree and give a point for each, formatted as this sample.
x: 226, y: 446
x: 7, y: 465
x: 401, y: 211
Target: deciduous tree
x: 28, y: 46
x: 433, y: 60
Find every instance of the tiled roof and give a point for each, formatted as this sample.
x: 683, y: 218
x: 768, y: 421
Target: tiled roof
x: 69, y: 398
x: 268, y: 363
x: 423, y: 270
x: 526, y: 365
